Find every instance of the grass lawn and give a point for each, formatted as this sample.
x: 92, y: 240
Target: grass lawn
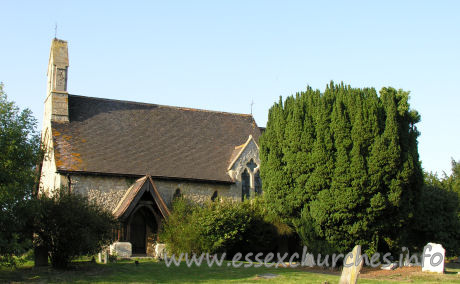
x: 149, y: 271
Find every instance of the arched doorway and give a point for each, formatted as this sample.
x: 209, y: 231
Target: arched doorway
x: 142, y: 229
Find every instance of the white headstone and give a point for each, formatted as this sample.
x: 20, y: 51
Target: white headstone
x: 121, y: 249
x: 433, y: 258
x: 309, y: 260
x: 106, y: 256
x: 160, y: 250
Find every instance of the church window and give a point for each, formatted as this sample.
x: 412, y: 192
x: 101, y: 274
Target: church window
x: 245, y: 185
x: 251, y: 165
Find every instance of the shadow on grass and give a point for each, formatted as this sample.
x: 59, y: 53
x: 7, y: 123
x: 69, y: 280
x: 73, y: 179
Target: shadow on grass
x: 149, y: 271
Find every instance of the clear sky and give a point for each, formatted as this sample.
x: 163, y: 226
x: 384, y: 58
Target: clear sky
x: 221, y: 55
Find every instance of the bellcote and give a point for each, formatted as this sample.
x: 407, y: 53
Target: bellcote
x: 56, y: 104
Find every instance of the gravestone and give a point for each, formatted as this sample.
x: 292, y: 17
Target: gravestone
x: 121, y: 249
x: 350, y: 272
x: 433, y: 258
x: 390, y: 266
x: 160, y: 250
x: 308, y: 260
x: 103, y: 256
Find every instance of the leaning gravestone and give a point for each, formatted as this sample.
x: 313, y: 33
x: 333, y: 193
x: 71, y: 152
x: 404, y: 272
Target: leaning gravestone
x: 350, y: 270
x: 433, y: 258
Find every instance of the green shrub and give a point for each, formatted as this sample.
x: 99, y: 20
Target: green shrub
x: 69, y: 226
x: 218, y: 227
x: 178, y: 233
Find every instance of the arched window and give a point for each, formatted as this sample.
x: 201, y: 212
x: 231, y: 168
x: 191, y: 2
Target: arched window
x: 245, y: 185
x: 251, y: 165
x: 257, y: 183
x: 177, y: 194
x: 214, y: 196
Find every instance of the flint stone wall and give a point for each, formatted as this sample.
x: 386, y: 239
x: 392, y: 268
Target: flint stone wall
x: 108, y: 190
x: 197, y: 192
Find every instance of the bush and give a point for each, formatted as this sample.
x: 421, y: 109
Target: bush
x: 178, y: 233
x: 218, y: 227
x: 69, y: 226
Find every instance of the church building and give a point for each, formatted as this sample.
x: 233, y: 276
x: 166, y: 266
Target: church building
x: 133, y: 158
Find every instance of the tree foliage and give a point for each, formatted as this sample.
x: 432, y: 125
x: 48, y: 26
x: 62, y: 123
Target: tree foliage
x: 438, y: 212
x: 68, y: 225
x: 342, y: 167
x: 19, y: 155
x: 452, y: 182
x: 437, y: 216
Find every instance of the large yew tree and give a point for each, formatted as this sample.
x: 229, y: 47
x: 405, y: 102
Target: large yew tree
x: 342, y: 166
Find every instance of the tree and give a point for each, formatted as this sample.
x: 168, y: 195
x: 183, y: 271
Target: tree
x: 452, y: 182
x: 342, y: 167
x: 19, y: 155
x: 437, y: 217
x: 68, y: 225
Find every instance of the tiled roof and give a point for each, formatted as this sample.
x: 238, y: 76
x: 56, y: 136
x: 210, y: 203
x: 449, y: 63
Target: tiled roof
x: 128, y: 138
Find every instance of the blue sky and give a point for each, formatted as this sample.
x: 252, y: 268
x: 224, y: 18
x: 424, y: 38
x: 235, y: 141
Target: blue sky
x: 221, y: 55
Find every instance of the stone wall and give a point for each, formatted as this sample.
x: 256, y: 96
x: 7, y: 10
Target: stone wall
x: 105, y: 190
x: 108, y: 190
x: 198, y: 192
x: 49, y: 179
x: 150, y: 242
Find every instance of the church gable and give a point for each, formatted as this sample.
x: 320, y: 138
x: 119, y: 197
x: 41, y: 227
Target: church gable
x: 243, y: 157
x: 244, y: 168
x: 143, y: 187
